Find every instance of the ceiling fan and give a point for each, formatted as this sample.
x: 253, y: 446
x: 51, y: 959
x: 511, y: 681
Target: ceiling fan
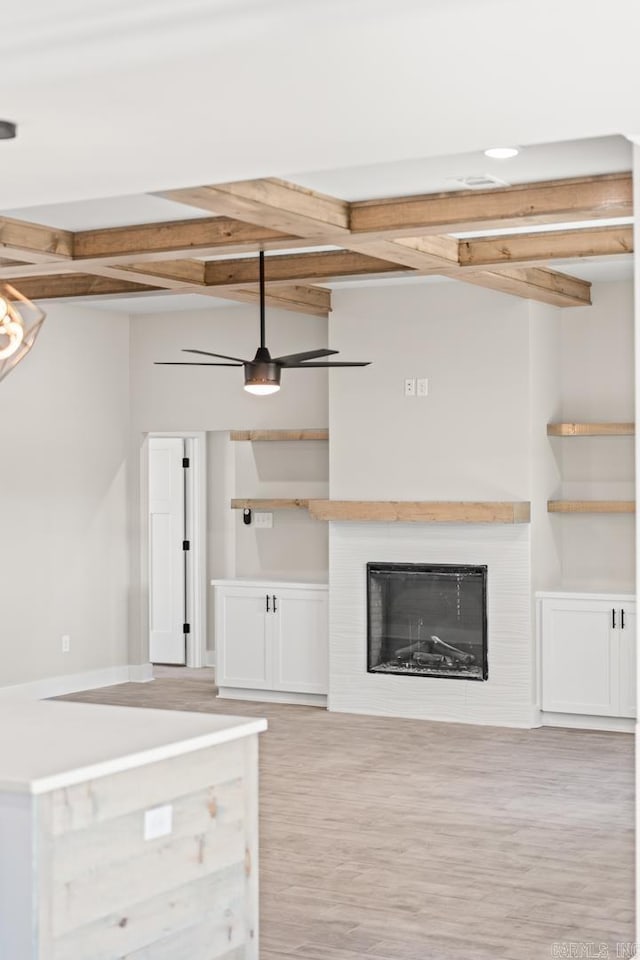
x: 262, y: 374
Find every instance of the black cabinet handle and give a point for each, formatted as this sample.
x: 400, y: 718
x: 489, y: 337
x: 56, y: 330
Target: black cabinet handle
x: 274, y: 602
x: 622, y: 619
x: 268, y: 604
x: 613, y: 618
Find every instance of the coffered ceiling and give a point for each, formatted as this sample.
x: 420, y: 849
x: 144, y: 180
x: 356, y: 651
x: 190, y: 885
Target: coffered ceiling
x: 530, y: 238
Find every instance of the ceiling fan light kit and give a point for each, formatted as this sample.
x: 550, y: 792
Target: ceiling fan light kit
x: 262, y: 374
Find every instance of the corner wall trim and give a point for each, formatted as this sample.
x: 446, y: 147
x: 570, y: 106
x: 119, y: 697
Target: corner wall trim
x: 139, y: 673
x: 76, y: 682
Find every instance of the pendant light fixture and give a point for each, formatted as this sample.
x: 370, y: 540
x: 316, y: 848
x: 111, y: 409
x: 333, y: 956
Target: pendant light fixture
x: 20, y: 324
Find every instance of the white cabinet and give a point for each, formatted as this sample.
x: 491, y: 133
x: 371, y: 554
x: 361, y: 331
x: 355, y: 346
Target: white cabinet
x: 588, y: 654
x: 271, y: 640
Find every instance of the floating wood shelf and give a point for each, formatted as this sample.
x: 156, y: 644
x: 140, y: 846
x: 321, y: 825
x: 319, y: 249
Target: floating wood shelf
x: 591, y: 506
x: 269, y: 504
x: 314, y: 434
x: 591, y: 429
x: 422, y: 511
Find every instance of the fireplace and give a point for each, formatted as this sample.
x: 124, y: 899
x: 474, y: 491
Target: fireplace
x: 427, y: 620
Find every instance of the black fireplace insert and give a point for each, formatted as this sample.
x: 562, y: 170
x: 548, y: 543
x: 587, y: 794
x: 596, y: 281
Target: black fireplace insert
x: 427, y: 620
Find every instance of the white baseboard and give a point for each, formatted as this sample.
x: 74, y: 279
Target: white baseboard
x: 531, y: 724
x: 579, y: 721
x: 272, y: 696
x: 76, y: 682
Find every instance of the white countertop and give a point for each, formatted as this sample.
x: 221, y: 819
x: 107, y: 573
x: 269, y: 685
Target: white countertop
x: 586, y: 594
x: 271, y: 582
x: 46, y: 744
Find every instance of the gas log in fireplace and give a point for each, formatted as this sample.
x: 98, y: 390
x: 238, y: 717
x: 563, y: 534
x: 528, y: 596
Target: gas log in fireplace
x: 427, y: 620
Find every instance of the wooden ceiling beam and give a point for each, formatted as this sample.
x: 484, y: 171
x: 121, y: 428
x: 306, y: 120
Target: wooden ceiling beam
x: 553, y: 201
x: 273, y: 203
x: 533, y: 283
x: 299, y: 298
x: 169, y: 274
x: 285, y: 206
x: 550, y: 245
x: 424, y: 254
x: 314, y: 301
x: 209, y: 236
x: 71, y: 285
x: 20, y: 240
x: 324, y: 265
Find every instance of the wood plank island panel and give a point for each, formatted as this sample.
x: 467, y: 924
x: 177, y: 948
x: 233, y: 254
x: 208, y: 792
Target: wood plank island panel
x: 307, y: 434
x: 591, y: 429
x: 269, y: 504
x: 104, y: 878
x: 591, y: 506
x: 422, y: 511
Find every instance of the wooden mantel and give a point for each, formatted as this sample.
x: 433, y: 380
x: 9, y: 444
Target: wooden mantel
x: 422, y: 511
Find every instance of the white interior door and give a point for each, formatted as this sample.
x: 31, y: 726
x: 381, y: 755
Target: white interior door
x: 166, y: 555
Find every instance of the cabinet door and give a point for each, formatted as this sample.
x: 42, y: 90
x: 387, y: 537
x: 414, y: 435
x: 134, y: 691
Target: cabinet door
x: 579, y: 658
x: 627, y: 660
x: 243, y: 629
x: 301, y: 641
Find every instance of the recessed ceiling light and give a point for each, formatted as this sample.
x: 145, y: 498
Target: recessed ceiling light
x: 501, y: 153
x: 7, y: 130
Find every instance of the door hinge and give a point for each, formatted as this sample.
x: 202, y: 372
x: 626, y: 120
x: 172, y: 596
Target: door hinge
x: 186, y: 628
x: 186, y: 545
x: 186, y: 462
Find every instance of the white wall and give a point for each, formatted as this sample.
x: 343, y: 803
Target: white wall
x: 297, y: 546
x: 597, y: 374
x: 545, y: 389
x: 63, y: 545
x: 213, y: 400
x: 469, y: 438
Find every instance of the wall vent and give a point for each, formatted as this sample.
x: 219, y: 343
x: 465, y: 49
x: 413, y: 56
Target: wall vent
x: 483, y: 181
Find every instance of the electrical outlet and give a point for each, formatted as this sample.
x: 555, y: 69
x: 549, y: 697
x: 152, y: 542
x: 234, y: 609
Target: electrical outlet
x: 410, y: 387
x: 423, y: 386
x: 263, y: 520
x: 158, y: 822
x: 66, y: 643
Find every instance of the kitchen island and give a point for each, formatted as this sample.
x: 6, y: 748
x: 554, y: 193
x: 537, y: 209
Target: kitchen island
x: 127, y: 833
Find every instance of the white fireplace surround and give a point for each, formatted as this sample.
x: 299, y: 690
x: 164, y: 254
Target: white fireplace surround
x: 507, y: 698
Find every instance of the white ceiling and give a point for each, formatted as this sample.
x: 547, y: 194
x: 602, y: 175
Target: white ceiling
x: 553, y: 161
x: 116, y: 98
x: 548, y: 161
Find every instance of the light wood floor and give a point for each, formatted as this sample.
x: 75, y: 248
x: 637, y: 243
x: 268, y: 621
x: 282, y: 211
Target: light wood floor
x: 386, y: 839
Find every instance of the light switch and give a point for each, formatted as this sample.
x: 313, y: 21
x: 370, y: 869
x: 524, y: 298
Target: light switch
x: 158, y: 822
x: 423, y: 386
x: 263, y: 520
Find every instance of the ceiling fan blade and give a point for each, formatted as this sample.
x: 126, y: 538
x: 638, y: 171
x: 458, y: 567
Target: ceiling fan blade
x: 223, y: 356
x: 329, y: 363
x: 194, y: 363
x: 298, y: 357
